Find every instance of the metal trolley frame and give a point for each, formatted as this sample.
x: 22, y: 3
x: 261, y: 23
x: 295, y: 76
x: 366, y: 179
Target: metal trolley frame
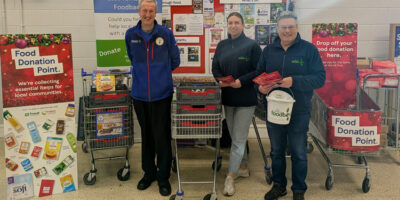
x: 390, y: 105
x: 196, y: 126
x: 318, y: 128
x: 196, y: 114
x: 105, y: 113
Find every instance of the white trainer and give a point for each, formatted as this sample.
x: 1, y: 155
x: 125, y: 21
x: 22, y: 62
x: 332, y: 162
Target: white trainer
x: 244, y: 173
x: 229, y: 188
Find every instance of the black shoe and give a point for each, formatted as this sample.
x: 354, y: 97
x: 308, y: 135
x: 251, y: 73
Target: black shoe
x: 164, y: 188
x: 145, y: 182
x: 298, y: 195
x: 275, y: 193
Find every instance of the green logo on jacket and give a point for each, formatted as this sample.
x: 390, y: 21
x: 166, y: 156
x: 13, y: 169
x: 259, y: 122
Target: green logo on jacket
x: 298, y: 61
x: 243, y: 58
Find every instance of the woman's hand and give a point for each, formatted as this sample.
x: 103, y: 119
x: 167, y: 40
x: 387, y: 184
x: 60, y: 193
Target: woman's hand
x: 234, y: 84
x: 224, y: 84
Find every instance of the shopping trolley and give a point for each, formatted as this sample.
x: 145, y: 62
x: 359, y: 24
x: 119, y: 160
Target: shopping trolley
x: 197, y: 114
x: 324, y: 133
x: 386, y: 96
x: 107, y: 122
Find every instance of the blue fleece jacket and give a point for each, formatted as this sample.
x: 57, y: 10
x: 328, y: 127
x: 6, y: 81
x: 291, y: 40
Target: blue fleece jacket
x: 302, y: 62
x: 153, y: 61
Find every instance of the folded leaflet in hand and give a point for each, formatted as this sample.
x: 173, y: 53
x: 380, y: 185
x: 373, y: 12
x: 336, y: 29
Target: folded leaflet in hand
x: 268, y: 78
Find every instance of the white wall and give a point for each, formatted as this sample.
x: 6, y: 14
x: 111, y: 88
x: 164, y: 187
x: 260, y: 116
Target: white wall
x: 373, y: 18
x: 76, y: 17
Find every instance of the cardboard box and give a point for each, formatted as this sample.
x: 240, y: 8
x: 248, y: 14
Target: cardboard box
x: 384, y: 129
x: 363, y: 63
x: 383, y: 140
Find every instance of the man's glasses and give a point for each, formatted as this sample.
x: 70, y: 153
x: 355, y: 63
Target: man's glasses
x: 291, y: 27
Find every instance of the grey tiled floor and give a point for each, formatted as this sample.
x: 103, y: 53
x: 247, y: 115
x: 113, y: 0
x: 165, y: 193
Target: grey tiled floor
x: 196, y: 165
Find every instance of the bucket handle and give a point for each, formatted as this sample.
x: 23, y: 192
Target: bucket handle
x: 277, y: 86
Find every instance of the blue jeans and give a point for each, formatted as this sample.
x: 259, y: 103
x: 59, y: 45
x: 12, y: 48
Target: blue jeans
x: 238, y: 120
x: 293, y: 135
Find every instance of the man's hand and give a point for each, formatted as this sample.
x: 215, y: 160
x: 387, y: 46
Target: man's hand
x: 286, y: 82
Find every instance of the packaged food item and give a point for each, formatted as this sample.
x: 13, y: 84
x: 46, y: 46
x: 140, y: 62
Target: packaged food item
x: 94, y: 78
x: 20, y: 187
x: 34, y: 132
x: 27, y: 164
x: 14, y: 123
x: 72, y: 141
x: 105, y: 82
x: 36, y: 151
x: 67, y: 183
x: 63, y: 165
x: 40, y: 172
x: 46, y: 187
x: 70, y: 112
x: 10, y: 140
x: 11, y: 165
x: 48, y: 124
x: 60, y: 126
x: 52, y: 148
x: 24, y: 147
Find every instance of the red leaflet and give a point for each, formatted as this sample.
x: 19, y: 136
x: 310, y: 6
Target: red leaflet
x: 226, y: 79
x: 268, y: 79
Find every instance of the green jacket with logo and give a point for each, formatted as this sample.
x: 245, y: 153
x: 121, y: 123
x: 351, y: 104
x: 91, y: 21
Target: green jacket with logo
x: 237, y: 57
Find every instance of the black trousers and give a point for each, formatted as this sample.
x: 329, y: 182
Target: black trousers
x: 155, y: 122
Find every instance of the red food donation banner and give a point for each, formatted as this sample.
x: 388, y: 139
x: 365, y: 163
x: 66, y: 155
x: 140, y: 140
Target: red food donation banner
x: 36, y: 69
x: 39, y: 115
x: 337, y: 44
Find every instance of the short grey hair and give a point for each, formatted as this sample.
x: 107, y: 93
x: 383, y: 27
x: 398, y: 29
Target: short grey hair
x: 150, y: 1
x: 287, y: 15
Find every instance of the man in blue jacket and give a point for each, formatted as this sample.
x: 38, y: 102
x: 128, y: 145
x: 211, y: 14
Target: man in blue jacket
x: 154, y: 55
x: 300, y: 65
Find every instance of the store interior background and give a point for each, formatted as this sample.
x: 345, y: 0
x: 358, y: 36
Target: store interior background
x: 77, y: 17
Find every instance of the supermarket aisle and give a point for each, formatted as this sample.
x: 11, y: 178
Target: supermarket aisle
x: 196, y: 163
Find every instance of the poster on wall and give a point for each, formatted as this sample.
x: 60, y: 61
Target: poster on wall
x: 39, y: 114
x: 265, y: 34
x: 250, y: 1
x: 337, y: 45
x: 188, y: 24
x: 262, y: 13
x: 394, y: 45
x: 176, y: 2
x: 211, y: 56
x: 190, y: 56
x: 276, y: 9
x: 247, y: 11
x: 112, y: 20
x: 215, y: 35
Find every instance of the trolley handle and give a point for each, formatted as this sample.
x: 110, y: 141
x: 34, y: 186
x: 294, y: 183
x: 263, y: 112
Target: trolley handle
x: 199, y: 125
x: 84, y: 73
x: 198, y: 108
x: 191, y: 93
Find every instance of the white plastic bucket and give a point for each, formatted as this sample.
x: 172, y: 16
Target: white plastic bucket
x: 280, y: 106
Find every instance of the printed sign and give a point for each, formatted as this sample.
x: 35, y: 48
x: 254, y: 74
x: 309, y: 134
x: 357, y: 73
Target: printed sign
x: 38, y: 91
x: 337, y: 45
